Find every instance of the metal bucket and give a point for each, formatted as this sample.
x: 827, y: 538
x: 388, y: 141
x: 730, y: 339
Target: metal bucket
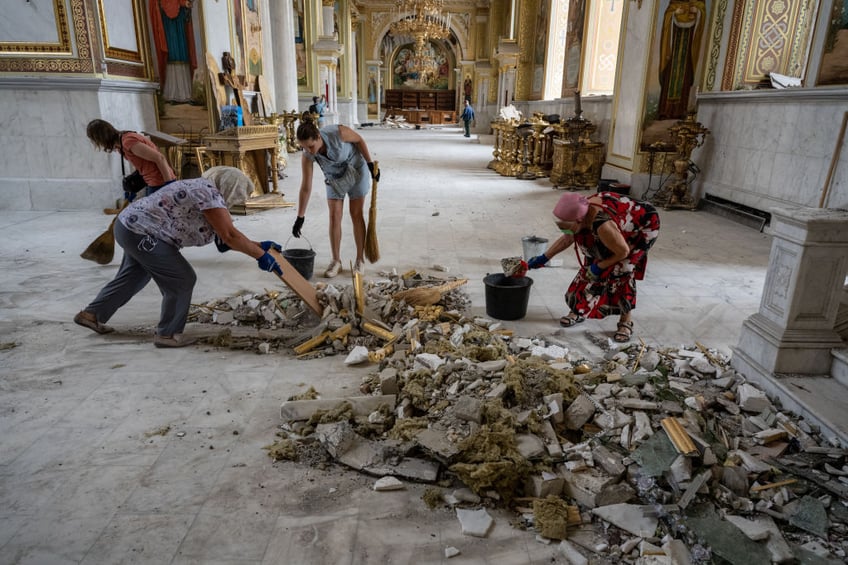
x: 532, y: 246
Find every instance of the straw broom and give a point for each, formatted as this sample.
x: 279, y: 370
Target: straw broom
x: 372, y: 246
x: 102, y: 249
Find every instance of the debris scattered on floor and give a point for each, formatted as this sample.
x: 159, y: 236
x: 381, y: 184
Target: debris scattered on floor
x: 644, y: 455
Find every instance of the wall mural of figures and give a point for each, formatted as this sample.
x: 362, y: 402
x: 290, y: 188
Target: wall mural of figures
x: 573, y: 47
x: 676, y: 66
x: 540, y: 50
x: 405, y: 76
x: 834, y: 65
x: 253, y: 38
x: 299, y: 43
x: 172, y: 28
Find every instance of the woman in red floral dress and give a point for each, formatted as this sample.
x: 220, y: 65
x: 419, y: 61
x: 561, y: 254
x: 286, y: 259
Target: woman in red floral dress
x: 613, y: 233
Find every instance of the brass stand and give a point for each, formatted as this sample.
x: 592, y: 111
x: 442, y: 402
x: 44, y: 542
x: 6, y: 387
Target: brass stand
x: 688, y: 134
x: 577, y: 160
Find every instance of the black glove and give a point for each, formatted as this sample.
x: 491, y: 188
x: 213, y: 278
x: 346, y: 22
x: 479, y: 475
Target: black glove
x: 298, y: 224
x: 269, y: 245
x: 538, y: 261
x: 371, y: 168
x: 268, y: 263
x: 222, y: 247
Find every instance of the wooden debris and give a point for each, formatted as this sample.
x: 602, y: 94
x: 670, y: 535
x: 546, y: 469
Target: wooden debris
x: 312, y: 343
x: 376, y: 330
x: 679, y: 437
x: 760, y: 488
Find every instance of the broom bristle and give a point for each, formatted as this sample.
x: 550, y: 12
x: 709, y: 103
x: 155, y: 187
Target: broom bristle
x: 102, y: 249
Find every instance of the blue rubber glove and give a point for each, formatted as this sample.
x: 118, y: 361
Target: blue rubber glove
x: 268, y: 263
x: 594, y: 272
x: 538, y: 261
x: 269, y: 245
x: 222, y: 247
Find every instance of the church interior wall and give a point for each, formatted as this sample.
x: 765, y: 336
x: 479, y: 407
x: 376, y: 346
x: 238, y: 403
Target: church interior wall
x: 773, y: 147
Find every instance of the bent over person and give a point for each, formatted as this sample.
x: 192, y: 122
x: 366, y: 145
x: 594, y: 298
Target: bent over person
x: 135, y: 148
x: 152, y: 231
x: 613, y: 233
x: 343, y: 157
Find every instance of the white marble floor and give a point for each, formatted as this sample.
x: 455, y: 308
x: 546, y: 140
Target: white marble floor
x: 84, y: 478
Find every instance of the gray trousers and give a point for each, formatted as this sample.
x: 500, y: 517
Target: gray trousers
x: 146, y: 257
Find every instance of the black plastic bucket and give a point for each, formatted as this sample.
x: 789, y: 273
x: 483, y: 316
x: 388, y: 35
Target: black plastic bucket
x: 303, y: 260
x: 507, y: 297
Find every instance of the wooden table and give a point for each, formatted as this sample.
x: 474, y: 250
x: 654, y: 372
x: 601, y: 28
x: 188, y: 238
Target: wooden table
x: 244, y: 147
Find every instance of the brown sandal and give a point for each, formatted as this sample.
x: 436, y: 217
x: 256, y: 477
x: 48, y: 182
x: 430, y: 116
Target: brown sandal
x: 570, y: 320
x: 625, y: 330
x: 89, y: 320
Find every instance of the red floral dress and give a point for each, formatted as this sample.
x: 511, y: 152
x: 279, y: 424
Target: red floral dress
x: 615, y: 292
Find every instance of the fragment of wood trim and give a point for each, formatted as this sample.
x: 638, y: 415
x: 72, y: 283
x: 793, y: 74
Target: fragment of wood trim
x: 760, y: 488
x: 679, y: 437
x: 341, y: 332
x: 312, y: 343
x: 376, y: 330
x: 380, y: 354
x: 358, y: 292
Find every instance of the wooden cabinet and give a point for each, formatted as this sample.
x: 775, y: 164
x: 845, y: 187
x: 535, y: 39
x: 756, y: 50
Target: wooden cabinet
x: 436, y: 100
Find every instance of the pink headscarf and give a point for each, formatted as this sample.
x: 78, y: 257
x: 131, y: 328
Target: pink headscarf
x: 572, y: 207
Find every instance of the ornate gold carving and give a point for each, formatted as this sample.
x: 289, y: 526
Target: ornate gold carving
x: 82, y: 64
x: 768, y: 36
x: 62, y: 33
x: 715, y: 43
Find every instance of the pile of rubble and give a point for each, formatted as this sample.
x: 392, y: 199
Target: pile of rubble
x: 643, y: 456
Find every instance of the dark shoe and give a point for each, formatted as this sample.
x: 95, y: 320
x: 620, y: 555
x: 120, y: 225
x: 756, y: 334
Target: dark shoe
x: 89, y: 320
x: 570, y: 320
x: 625, y: 330
x: 176, y: 340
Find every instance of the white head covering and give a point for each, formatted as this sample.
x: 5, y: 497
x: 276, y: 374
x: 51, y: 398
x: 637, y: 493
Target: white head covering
x: 233, y: 184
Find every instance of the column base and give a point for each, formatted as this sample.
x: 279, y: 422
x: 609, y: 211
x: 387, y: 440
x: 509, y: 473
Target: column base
x: 803, y: 352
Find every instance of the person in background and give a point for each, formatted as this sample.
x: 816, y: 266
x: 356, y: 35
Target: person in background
x: 343, y: 157
x: 319, y: 104
x: 467, y: 117
x: 152, y: 231
x: 614, y: 234
x: 135, y: 148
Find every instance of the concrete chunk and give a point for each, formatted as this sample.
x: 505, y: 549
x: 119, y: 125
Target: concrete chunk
x: 388, y: 483
x: 578, y: 412
x: 572, y: 554
x: 474, y: 522
x: 608, y: 461
x: 629, y: 517
x: 752, y: 399
x: 585, y: 486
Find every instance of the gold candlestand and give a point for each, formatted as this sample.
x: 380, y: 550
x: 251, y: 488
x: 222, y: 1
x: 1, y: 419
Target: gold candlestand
x: 688, y: 134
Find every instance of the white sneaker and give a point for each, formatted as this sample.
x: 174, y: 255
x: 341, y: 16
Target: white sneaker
x: 333, y: 269
x: 359, y: 267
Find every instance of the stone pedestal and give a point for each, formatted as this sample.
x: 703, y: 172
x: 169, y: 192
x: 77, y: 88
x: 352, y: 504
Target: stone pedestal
x: 793, y: 333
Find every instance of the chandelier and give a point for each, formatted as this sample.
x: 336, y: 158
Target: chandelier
x: 422, y: 20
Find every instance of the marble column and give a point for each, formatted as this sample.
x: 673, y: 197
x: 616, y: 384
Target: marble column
x: 793, y: 332
x: 283, y: 56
